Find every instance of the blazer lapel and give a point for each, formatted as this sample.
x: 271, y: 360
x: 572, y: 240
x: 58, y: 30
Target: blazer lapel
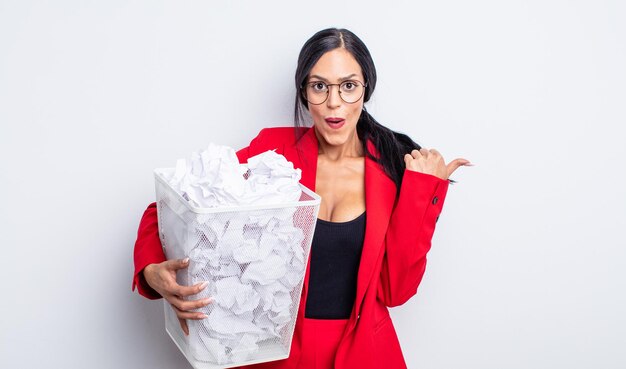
x: 380, y: 194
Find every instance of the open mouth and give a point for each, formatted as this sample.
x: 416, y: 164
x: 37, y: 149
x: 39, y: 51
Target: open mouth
x: 335, y: 122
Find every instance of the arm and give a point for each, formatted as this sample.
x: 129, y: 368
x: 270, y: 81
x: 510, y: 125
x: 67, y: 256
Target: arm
x: 412, y: 224
x: 409, y: 235
x: 148, y: 250
x: 155, y: 277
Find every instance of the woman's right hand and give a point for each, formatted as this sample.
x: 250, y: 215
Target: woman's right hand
x: 162, y: 278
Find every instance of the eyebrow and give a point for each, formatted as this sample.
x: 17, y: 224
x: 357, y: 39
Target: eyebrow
x: 340, y: 79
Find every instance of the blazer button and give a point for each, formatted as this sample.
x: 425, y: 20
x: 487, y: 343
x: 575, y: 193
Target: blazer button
x: 435, y: 199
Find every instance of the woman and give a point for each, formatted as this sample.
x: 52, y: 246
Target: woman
x: 361, y: 263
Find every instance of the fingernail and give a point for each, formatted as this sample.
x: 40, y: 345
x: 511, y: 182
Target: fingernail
x: 208, y: 300
x: 185, y: 260
x: 469, y: 164
x: 202, y: 316
x: 203, y: 285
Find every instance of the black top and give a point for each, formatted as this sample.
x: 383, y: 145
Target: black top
x: 335, y: 256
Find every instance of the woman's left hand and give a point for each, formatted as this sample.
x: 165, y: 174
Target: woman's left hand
x: 431, y: 162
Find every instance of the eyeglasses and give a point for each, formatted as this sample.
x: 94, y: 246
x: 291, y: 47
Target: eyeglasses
x: 317, y: 92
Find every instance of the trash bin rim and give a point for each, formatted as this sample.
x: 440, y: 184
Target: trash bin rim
x: 159, y: 177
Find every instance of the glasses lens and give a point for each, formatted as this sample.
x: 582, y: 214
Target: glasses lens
x: 316, y: 92
x: 351, y: 91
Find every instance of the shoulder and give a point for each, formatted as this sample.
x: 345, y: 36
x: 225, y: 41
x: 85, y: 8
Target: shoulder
x: 272, y: 138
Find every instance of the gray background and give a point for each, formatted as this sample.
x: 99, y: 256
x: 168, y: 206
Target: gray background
x: 527, y: 268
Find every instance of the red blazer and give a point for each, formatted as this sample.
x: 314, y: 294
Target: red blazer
x: 397, y: 237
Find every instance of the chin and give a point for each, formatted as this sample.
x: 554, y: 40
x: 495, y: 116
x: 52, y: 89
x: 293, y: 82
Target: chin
x: 336, y: 138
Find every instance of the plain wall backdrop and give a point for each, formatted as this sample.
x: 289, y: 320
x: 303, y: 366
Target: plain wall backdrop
x: 527, y: 268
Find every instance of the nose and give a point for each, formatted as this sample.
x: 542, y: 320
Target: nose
x: 334, y: 100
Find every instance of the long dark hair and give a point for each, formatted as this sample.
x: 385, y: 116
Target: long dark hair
x: 391, y: 146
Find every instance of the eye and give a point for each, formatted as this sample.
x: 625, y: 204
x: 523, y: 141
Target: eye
x: 348, y: 86
x: 318, y: 86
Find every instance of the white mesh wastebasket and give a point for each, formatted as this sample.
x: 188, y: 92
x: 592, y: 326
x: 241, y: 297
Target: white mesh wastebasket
x: 254, y: 258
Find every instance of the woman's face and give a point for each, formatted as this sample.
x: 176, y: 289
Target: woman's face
x: 335, y: 120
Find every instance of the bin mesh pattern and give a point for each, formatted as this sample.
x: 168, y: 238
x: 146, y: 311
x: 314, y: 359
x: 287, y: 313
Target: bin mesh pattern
x: 254, y: 261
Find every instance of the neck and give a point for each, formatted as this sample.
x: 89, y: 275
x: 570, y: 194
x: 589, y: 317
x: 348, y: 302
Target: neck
x: 352, y: 148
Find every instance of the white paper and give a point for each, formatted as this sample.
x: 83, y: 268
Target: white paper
x: 213, y: 177
x: 253, y: 261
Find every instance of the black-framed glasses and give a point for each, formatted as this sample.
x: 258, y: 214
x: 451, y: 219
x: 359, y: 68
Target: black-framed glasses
x: 317, y: 92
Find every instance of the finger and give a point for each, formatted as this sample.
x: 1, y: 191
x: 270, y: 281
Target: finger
x: 193, y: 315
x: 434, y: 152
x: 184, y: 291
x: 183, y: 326
x: 424, y: 152
x: 176, y: 264
x: 175, y: 301
x: 407, y: 159
x: 415, y: 154
x: 455, y: 164
x: 189, y: 305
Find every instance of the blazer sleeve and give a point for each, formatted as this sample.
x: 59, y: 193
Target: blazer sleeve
x: 409, y: 234
x: 148, y: 248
